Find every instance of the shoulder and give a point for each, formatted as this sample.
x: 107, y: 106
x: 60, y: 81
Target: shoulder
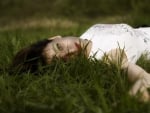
x: 110, y: 25
x: 109, y: 28
x: 116, y: 28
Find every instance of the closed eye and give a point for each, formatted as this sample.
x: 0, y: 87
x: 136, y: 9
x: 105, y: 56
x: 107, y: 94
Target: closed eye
x: 57, y: 47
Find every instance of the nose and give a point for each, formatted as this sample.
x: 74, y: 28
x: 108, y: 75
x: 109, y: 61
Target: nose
x: 86, y: 42
x: 86, y: 39
x: 82, y: 43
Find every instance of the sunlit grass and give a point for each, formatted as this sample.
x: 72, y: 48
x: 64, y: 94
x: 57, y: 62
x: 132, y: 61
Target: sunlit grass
x: 38, y: 22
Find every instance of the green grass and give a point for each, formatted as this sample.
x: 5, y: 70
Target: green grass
x: 77, y: 86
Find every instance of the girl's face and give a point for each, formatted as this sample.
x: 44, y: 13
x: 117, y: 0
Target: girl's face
x: 65, y: 48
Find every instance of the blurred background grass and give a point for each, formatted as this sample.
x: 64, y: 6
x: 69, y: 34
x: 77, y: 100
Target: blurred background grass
x: 43, y: 12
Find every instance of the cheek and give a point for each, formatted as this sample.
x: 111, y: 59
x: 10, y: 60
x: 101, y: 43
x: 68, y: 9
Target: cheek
x: 74, y: 48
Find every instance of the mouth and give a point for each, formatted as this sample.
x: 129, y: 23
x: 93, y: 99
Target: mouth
x: 78, y: 46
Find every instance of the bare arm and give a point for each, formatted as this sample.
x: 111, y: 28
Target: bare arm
x: 136, y: 74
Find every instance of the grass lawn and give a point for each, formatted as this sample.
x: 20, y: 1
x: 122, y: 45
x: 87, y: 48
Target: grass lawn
x: 76, y: 86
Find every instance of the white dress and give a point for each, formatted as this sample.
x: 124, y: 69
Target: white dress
x: 105, y: 37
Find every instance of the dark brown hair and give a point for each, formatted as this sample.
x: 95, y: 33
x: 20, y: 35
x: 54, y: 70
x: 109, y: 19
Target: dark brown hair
x: 29, y: 58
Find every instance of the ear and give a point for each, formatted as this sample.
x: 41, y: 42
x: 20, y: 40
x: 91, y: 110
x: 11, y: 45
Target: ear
x: 54, y: 37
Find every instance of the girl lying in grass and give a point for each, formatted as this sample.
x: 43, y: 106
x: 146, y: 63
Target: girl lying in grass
x: 115, y: 43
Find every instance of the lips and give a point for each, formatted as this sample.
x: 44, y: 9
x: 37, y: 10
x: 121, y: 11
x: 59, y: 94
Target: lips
x: 78, y: 46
